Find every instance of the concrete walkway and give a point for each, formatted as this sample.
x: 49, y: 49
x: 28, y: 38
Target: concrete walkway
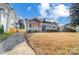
x: 16, y: 45
x: 21, y: 49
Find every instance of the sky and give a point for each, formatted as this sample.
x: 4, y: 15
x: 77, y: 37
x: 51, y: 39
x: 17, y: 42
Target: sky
x: 58, y: 12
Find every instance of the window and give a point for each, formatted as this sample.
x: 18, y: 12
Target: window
x: 49, y: 25
x: 4, y: 14
x: 12, y: 24
x: 53, y: 26
x: 30, y: 25
x: 44, y: 26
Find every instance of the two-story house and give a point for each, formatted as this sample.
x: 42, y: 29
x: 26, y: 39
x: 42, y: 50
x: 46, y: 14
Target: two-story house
x: 7, y: 16
x: 33, y: 25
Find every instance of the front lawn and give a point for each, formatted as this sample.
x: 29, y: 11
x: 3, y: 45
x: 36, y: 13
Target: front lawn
x: 59, y: 43
x: 4, y: 36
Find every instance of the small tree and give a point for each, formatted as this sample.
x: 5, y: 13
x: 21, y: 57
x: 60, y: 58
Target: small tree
x: 1, y: 29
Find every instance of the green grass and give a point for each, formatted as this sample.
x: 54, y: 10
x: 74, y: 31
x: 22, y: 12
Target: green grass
x: 4, y: 36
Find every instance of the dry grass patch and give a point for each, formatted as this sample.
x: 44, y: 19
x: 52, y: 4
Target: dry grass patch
x: 54, y: 43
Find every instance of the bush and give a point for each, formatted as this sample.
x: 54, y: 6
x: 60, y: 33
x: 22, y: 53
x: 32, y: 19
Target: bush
x: 1, y: 29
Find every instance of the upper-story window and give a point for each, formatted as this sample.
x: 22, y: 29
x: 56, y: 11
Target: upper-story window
x: 44, y: 25
x: 54, y: 26
x: 4, y: 14
x: 49, y: 25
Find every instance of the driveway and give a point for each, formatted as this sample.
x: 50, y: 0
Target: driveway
x: 16, y: 45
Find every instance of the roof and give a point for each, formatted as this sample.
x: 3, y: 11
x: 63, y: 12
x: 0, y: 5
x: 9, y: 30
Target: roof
x: 35, y: 20
x: 1, y: 9
x: 44, y: 21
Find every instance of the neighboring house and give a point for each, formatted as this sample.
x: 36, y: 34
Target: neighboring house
x: 33, y: 25
x: 77, y: 28
x: 7, y: 16
x: 69, y: 28
x: 49, y: 26
x: 41, y: 26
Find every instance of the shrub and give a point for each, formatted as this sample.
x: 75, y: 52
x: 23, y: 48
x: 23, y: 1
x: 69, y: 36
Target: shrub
x: 29, y: 31
x: 1, y: 29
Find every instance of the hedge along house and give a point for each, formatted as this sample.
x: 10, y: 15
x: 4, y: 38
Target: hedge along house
x: 40, y: 26
x: 6, y: 16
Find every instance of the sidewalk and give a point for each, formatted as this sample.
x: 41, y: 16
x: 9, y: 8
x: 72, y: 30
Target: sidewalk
x: 16, y: 45
x: 21, y: 49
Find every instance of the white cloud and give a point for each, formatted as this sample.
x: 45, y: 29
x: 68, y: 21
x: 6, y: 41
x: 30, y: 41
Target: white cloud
x: 20, y: 17
x: 42, y: 9
x: 29, y: 8
x: 61, y: 10
x: 45, y: 6
x: 50, y: 20
x: 58, y: 11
